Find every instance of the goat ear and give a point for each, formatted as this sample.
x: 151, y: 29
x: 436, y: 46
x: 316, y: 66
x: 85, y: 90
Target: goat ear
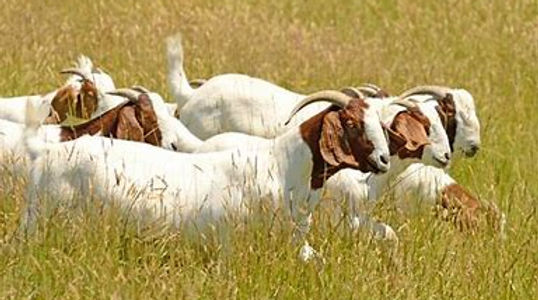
x: 128, y: 127
x: 396, y: 140
x: 333, y: 144
x: 413, y: 130
x: 447, y: 103
x: 87, y: 103
x: 62, y: 104
x: 147, y: 117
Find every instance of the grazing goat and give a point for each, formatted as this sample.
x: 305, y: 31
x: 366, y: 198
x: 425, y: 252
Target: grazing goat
x: 200, y: 187
x: 143, y: 118
x: 68, y: 99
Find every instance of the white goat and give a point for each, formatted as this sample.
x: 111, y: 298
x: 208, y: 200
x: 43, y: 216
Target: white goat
x: 352, y: 184
x: 234, y: 102
x: 13, y: 108
x: 172, y: 134
x: 200, y: 187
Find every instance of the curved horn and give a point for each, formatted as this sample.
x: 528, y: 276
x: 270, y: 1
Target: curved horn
x: 140, y: 89
x: 404, y: 102
x: 126, y: 93
x: 335, y: 97
x: 74, y: 71
x: 434, y: 90
x: 352, y: 92
x: 370, y: 92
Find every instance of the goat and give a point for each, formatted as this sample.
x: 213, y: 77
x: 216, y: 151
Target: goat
x: 234, y: 102
x: 201, y: 187
x: 431, y: 185
x: 424, y: 139
x: 143, y: 118
x: 66, y: 99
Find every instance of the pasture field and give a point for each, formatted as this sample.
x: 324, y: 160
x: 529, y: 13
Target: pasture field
x: 487, y: 47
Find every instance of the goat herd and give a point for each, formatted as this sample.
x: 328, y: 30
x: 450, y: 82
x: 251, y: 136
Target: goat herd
x: 232, y: 141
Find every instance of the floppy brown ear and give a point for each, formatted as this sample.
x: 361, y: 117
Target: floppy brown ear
x: 396, y: 140
x: 334, y: 145
x: 145, y: 114
x: 87, y: 100
x: 414, y: 129
x: 128, y: 126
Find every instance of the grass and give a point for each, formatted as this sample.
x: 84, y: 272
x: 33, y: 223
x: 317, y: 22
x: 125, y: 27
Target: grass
x: 487, y: 47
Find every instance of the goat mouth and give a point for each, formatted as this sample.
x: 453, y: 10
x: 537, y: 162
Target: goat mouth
x: 442, y: 163
x: 373, y: 167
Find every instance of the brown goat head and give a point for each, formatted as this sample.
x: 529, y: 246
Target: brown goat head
x: 337, y: 140
x: 70, y: 101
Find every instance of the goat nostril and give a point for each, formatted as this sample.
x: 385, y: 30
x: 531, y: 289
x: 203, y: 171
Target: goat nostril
x: 384, y: 159
x: 447, y: 156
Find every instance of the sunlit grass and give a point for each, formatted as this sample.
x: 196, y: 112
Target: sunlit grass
x: 487, y: 47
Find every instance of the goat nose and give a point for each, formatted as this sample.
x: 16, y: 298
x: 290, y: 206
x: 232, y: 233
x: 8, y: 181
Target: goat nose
x: 447, y: 156
x: 384, y: 158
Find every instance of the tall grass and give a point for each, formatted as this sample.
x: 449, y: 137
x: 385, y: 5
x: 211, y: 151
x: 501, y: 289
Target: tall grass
x: 487, y: 47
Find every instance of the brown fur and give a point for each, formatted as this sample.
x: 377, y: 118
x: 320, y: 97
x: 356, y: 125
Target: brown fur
x: 461, y: 205
x: 128, y: 127
x: 145, y: 114
x: 70, y: 101
x: 447, y: 114
x: 105, y: 124
x: 413, y: 126
x: 135, y: 121
x: 337, y: 140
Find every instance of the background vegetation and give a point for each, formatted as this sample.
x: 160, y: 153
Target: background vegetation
x: 487, y: 47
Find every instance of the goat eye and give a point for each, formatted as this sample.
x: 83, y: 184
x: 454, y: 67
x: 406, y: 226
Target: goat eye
x: 173, y: 147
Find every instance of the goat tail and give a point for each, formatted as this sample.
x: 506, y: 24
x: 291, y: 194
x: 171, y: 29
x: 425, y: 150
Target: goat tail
x: 35, y: 113
x: 178, y: 83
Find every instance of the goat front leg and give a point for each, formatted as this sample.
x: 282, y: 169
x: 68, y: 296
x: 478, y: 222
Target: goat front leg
x: 302, y: 218
x: 302, y: 226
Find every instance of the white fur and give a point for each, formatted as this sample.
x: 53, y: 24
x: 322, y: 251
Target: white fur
x: 351, y: 184
x: 174, y: 135
x: 178, y: 187
x: 426, y: 183
x: 239, y: 103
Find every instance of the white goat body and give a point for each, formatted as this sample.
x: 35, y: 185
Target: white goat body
x: 183, y: 187
x: 352, y: 184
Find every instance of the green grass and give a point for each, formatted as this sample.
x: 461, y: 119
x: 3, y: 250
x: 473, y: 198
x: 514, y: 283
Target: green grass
x: 487, y: 47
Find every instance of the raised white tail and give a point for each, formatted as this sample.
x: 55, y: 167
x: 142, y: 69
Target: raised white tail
x: 177, y: 80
